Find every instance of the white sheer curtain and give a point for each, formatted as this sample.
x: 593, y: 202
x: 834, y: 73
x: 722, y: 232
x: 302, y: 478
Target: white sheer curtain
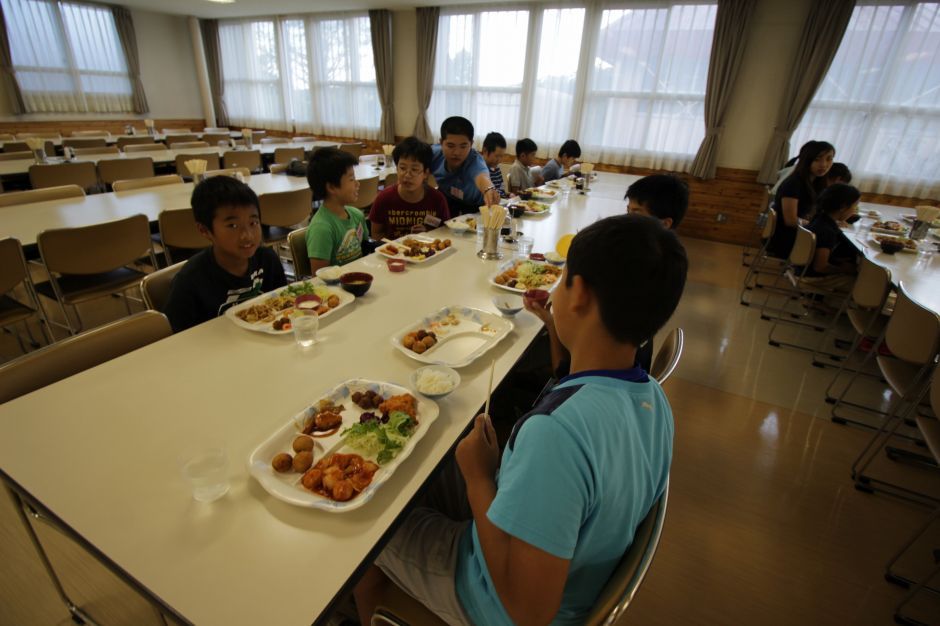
x: 251, y: 74
x: 477, y: 78
x: 67, y: 57
x: 645, y: 96
x: 879, y: 105
x: 271, y: 82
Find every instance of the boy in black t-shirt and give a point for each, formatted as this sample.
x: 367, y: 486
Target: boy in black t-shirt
x: 236, y: 267
x: 834, y: 265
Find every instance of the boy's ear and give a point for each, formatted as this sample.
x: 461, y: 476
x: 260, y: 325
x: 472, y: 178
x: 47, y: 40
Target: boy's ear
x: 579, y: 295
x: 205, y: 232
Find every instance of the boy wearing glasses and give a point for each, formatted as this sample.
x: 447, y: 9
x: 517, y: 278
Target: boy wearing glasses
x: 409, y: 206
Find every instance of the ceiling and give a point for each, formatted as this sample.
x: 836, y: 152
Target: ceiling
x: 244, y: 8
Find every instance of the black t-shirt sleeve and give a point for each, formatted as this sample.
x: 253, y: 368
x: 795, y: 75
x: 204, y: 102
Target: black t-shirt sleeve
x: 183, y: 307
x: 827, y: 236
x: 274, y: 276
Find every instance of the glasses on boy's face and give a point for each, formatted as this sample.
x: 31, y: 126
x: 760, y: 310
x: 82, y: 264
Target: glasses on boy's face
x: 410, y: 171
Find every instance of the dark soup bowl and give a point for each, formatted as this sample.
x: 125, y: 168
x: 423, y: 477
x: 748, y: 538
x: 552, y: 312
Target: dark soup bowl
x: 356, y: 283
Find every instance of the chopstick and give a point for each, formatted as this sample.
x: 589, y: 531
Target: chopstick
x: 489, y: 391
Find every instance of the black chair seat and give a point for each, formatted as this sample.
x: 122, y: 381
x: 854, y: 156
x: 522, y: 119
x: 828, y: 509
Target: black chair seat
x: 12, y: 311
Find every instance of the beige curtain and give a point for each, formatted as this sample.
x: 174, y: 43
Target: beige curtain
x: 125, y: 28
x: 822, y: 34
x: 210, y: 43
x: 732, y: 25
x: 380, y: 22
x: 7, y: 78
x: 427, y: 48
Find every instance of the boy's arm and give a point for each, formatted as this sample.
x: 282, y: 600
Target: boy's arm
x: 512, y: 563
x: 319, y: 246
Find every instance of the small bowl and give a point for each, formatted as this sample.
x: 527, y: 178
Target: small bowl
x: 459, y: 226
x: 356, y: 283
x: 554, y: 258
x: 508, y: 304
x: 330, y: 275
x: 396, y: 265
x: 891, y: 247
x: 538, y: 296
x: 442, y: 369
x: 300, y: 302
x: 525, y: 195
x: 536, y: 256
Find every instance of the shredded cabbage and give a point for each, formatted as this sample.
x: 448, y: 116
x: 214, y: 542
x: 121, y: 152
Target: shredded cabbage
x: 381, y: 441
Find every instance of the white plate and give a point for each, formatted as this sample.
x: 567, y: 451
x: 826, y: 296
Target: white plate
x: 461, y: 223
x: 509, y: 264
x: 896, y: 233
x: 287, y: 486
x: 532, y: 213
x: 422, y: 238
x: 459, y: 344
x: 545, y: 195
x: 345, y: 299
x: 874, y: 242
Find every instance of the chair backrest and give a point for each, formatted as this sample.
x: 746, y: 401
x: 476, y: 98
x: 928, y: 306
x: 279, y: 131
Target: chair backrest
x: 211, y: 159
x: 234, y: 172
x: 61, y: 192
x: 16, y: 156
x: 667, y: 358
x: 188, y: 145
x: 111, y: 170
x: 13, y: 269
x: 804, y: 248
x: 286, y: 155
x: 75, y: 354
x: 504, y: 170
x: 156, y: 286
x: 144, y: 147
x: 136, y: 140
x: 97, y: 142
x: 278, y: 168
x: 913, y: 332
x: 354, y: 149
x: 770, y: 225
x: 98, y: 150
x: 297, y: 242
x: 250, y: 159
x: 178, y: 230
x: 214, y: 138
x: 269, y: 140
x: 89, y: 133
x: 95, y: 249
x: 286, y: 208
x: 872, y: 285
x: 16, y: 146
x: 82, y: 174
x: 368, y: 190
x: 171, y: 140
x: 623, y: 584
x: 390, y: 180
x: 142, y: 183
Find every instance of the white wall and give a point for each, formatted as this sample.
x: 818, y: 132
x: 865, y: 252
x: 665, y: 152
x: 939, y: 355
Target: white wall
x: 166, y: 70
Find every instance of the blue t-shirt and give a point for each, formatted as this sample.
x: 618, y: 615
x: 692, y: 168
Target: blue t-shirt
x: 463, y: 179
x: 580, y: 472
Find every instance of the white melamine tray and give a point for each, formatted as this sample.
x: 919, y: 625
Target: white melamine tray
x: 458, y: 344
x: 345, y: 299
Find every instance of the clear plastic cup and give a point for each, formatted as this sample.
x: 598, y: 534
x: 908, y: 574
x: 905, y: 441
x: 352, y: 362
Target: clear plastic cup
x: 206, y: 469
x: 525, y: 246
x: 305, y: 329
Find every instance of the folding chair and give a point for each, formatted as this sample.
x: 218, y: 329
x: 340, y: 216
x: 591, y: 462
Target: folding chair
x: 14, y: 275
x: 98, y: 150
x: 668, y: 356
x: 762, y: 262
x: 16, y: 156
x: 297, y: 242
x: 368, y: 190
x: 51, y: 364
x: 354, y: 149
x: 14, y: 198
x: 156, y: 286
x: 112, y: 170
x: 17, y: 146
x: 143, y: 183
x: 136, y: 140
x: 144, y: 147
x: 82, y: 174
x: 286, y: 155
x: 213, y: 139
x: 189, y: 145
x: 249, y: 159
x: 97, y: 142
x: 172, y: 139
x: 179, y: 234
x: 90, y: 262
x: 756, y: 238
x: 390, y: 180
x: 283, y: 210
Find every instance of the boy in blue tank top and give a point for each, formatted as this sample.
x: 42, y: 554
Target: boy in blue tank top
x: 541, y: 527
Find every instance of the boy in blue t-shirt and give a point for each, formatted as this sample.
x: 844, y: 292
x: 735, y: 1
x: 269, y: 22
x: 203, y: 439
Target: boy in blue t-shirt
x: 337, y: 230
x: 549, y: 521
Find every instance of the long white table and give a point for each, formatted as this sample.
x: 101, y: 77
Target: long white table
x: 249, y: 558
x: 26, y: 221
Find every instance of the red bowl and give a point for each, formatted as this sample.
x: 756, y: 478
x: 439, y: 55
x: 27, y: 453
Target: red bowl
x: 307, y: 297
x: 539, y: 296
x: 356, y: 283
x: 537, y: 256
x: 396, y: 265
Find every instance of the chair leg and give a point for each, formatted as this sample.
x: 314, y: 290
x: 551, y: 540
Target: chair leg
x: 890, y: 574
x: 899, y: 616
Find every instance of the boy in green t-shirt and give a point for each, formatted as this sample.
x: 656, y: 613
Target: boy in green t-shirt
x: 337, y: 230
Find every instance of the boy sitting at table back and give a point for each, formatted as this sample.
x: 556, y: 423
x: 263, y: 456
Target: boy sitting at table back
x: 521, y: 176
x: 663, y: 196
x: 235, y: 268
x: 568, y: 154
x: 409, y: 206
x: 550, y: 520
x: 835, y: 263
x: 494, y: 149
x: 337, y: 230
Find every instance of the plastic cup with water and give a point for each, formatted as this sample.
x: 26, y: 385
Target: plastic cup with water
x: 525, y: 246
x: 305, y: 329
x: 206, y: 469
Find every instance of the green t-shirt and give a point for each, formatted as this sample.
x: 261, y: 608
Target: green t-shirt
x: 340, y: 241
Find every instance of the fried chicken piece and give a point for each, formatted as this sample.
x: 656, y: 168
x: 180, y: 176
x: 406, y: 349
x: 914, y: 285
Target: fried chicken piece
x: 406, y: 403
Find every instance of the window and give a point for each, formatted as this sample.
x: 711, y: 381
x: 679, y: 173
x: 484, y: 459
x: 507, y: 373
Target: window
x: 628, y: 83
x: 67, y: 57
x: 644, y: 103
x: 270, y: 81
x: 879, y: 102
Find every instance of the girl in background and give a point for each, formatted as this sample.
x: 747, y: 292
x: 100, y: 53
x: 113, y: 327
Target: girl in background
x: 797, y: 194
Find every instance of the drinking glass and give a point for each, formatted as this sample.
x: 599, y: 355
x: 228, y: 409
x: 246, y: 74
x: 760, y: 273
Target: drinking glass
x: 206, y: 469
x: 305, y: 329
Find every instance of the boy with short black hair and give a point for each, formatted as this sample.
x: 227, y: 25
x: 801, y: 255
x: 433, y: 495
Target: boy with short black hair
x: 494, y: 149
x: 568, y: 154
x: 460, y: 172
x: 520, y: 175
x: 409, y: 206
x: 592, y: 456
x: 235, y: 268
x: 337, y: 230
x: 663, y: 196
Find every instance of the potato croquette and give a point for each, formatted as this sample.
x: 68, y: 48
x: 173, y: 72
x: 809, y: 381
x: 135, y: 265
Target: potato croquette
x: 303, y: 461
x: 282, y: 462
x: 302, y: 443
